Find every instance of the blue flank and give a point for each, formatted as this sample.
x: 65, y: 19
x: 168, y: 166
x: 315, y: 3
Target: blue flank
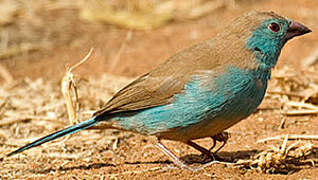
x: 233, y: 95
x: 58, y: 134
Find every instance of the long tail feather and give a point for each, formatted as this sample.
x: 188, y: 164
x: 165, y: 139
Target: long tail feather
x: 58, y: 134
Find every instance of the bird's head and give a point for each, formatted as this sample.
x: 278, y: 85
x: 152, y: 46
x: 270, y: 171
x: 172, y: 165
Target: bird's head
x: 269, y: 35
x: 262, y: 34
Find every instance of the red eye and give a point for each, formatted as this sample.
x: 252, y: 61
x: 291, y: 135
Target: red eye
x: 274, y: 27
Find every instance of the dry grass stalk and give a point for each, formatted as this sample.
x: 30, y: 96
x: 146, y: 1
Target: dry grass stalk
x: 9, y: 9
x: 5, y: 74
x: 297, y: 90
x: 282, y: 123
x: 17, y: 50
x: 69, y: 91
x: 120, y: 51
x: 12, y: 121
x: 302, y: 105
x: 290, y: 137
x: 156, y: 169
x: 143, y: 15
x: 281, y: 159
x: 286, y: 93
x: 204, y: 9
x: 133, y: 15
x: 300, y: 112
x: 304, y: 108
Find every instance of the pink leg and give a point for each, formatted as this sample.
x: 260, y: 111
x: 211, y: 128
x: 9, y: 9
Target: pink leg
x: 174, y: 158
x: 221, y: 137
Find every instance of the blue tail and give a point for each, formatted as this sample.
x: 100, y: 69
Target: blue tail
x: 58, y: 134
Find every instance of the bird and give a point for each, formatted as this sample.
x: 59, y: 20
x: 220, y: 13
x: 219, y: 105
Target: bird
x: 201, y: 90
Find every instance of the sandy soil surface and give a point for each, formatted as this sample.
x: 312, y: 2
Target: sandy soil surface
x: 112, y: 154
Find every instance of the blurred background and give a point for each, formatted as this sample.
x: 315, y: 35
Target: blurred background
x: 41, y: 39
x: 38, y: 38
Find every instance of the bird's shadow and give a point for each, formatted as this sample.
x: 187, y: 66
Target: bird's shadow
x: 78, y: 167
x: 230, y: 157
x: 223, y: 156
x: 188, y: 159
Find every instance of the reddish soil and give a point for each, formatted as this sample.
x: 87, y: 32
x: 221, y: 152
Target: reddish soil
x: 143, y: 52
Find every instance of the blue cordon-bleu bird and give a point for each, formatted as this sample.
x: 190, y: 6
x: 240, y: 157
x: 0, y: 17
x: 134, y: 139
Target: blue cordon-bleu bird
x: 200, y: 91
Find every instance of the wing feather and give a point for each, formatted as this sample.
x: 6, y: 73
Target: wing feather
x: 160, y: 85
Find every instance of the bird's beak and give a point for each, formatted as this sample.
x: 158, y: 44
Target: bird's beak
x: 296, y: 29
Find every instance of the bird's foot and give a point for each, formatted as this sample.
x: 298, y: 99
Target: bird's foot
x: 221, y: 137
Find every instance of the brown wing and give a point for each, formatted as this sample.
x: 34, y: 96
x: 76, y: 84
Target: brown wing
x: 144, y: 92
x: 158, y: 86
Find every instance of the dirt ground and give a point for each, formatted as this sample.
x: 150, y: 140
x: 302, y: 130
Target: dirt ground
x: 60, y: 39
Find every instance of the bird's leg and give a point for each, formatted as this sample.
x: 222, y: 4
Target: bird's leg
x: 221, y: 137
x: 213, y: 145
x: 201, y: 149
x: 173, y: 157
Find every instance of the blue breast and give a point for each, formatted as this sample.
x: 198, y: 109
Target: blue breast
x: 228, y: 99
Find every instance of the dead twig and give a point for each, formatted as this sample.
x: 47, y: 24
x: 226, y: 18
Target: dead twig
x: 16, y: 50
x: 204, y: 9
x: 120, y: 51
x: 286, y: 93
x: 16, y: 119
x: 68, y: 86
x: 290, y: 137
x: 3, y: 104
x: 5, y: 74
x: 157, y: 169
x: 12, y: 121
x: 282, y: 123
x: 302, y: 105
x: 281, y: 159
x: 300, y: 112
x: 310, y: 109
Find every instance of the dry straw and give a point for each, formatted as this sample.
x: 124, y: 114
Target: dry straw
x: 143, y: 15
x: 281, y: 159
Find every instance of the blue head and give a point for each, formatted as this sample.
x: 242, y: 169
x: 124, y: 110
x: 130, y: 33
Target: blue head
x: 270, y: 35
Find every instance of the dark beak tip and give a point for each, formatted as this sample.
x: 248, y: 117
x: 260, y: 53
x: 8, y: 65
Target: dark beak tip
x: 296, y: 29
x: 305, y: 29
x: 308, y: 30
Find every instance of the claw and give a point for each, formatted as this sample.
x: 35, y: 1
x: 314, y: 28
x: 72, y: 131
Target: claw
x: 202, y: 150
x: 221, y: 137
